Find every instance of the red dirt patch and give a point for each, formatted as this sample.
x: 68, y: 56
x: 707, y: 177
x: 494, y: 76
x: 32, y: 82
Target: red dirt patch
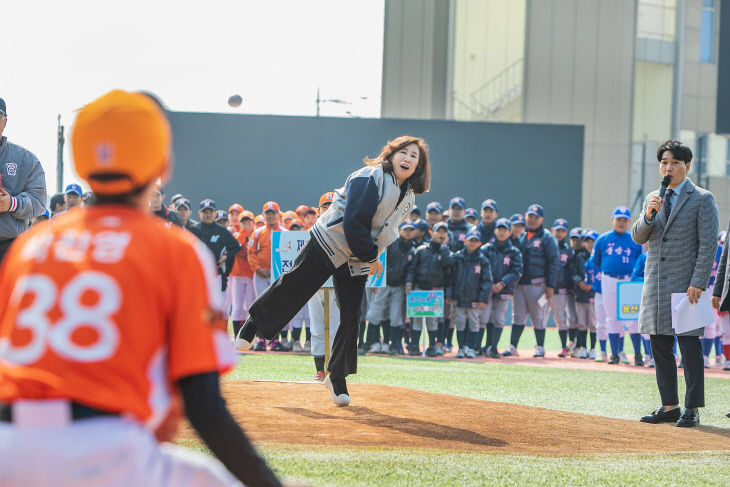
x: 301, y: 413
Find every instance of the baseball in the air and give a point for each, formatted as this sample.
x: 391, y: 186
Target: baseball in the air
x: 235, y: 100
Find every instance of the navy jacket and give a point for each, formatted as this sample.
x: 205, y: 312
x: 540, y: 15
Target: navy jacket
x: 567, y: 278
x: 431, y: 266
x: 471, y: 279
x: 220, y: 241
x: 457, y: 234
x: 486, y: 231
x: 399, y: 259
x: 540, y: 257
x: 506, y: 263
x: 580, y: 258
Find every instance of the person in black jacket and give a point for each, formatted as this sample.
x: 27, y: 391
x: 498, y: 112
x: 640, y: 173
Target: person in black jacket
x: 431, y: 266
x: 539, y: 280
x: 469, y: 288
x: 585, y: 313
x: 506, y: 263
x: 458, y: 228
x: 489, y: 216
x: 388, y: 301
x: 559, y: 304
x: 159, y: 209
x: 219, y: 240
x: 183, y: 208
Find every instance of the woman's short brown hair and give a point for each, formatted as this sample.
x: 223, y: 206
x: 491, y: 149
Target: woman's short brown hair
x: 420, y: 180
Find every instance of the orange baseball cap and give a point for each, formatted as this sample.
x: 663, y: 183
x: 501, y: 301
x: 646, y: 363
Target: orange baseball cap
x: 246, y: 214
x: 302, y: 210
x: 235, y: 207
x: 121, y: 141
x: 259, y: 219
x: 290, y: 215
x: 328, y: 197
x: 270, y: 205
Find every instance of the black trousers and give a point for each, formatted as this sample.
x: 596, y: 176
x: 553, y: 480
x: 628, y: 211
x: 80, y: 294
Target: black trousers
x: 283, y: 299
x: 4, y: 246
x: 666, y: 369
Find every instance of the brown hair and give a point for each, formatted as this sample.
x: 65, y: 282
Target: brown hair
x: 420, y: 180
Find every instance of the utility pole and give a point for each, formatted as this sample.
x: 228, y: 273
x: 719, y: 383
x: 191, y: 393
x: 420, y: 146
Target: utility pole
x: 59, y: 157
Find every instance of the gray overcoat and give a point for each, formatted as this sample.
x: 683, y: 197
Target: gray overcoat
x: 681, y: 253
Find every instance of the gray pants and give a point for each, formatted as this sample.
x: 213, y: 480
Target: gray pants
x: 461, y: 315
x: 585, y: 316
x: 387, y: 304
x: 558, y: 305
x: 525, y: 302
x: 495, y: 312
x: 572, y: 312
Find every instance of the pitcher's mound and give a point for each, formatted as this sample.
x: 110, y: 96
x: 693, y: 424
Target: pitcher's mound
x: 301, y: 413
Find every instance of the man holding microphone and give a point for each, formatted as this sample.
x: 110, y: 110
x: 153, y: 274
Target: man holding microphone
x: 682, y: 240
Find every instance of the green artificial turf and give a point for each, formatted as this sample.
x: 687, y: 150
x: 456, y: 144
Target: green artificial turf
x: 364, y: 466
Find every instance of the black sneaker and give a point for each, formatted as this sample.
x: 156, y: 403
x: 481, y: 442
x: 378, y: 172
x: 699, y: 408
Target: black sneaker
x: 431, y: 352
x: 638, y: 360
x: 260, y: 346
x: 613, y: 360
x: 277, y: 346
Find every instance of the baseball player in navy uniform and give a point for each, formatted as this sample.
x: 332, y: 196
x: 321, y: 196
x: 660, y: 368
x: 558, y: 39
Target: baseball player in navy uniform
x: 583, y: 316
x: 471, y: 216
x: 434, y: 212
x: 388, y: 302
x: 489, y: 216
x: 429, y: 271
x: 615, y: 254
x: 505, y: 261
x: 219, y: 240
x: 470, y: 288
x: 158, y: 208
x: 517, y: 224
x: 560, y: 302
x: 539, y: 280
x: 593, y: 277
x: 458, y: 228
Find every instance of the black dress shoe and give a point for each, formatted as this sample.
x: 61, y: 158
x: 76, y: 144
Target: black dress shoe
x: 728, y: 415
x: 689, y: 418
x: 662, y: 416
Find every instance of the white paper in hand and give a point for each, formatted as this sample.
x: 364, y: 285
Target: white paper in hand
x: 687, y: 317
x: 542, y: 301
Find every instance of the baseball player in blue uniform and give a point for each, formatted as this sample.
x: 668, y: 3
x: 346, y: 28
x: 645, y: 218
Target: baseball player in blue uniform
x: 470, y: 288
x: 615, y: 254
x: 541, y: 264
x: 506, y: 262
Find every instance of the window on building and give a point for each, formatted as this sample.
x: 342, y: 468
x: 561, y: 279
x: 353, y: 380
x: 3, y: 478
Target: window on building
x: 707, y: 32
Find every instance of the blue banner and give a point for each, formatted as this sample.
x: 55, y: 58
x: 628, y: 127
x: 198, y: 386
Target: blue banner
x: 628, y: 300
x: 285, y: 247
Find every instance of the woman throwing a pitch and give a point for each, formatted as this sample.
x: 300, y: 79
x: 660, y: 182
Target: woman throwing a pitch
x: 346, y: 241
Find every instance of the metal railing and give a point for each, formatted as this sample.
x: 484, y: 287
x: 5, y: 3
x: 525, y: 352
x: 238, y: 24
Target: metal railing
x: 485, y: 102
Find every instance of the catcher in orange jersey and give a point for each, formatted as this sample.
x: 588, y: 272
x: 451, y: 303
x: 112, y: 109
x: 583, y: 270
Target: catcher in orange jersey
x: 94, y: 351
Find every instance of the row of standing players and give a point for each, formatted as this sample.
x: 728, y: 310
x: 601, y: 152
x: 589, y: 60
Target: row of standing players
x: 484, y: 265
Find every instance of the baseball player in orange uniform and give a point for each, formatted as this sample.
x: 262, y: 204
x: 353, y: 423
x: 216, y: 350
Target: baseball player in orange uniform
x: 259, y: 255
x: 241, y: 279
x: 94, y: 350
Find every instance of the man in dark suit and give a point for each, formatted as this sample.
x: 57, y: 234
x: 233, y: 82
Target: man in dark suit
x: 682, y: 238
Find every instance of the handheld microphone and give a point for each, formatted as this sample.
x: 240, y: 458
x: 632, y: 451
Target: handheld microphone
x: 662, y: 190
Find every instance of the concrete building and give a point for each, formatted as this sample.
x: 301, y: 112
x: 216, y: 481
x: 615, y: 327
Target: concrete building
x: 633, y: 72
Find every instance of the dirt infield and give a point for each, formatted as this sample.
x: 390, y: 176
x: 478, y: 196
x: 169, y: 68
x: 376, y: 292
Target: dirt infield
x: 301, y: 413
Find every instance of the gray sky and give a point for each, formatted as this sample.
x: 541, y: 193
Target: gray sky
x: 57, y: 56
